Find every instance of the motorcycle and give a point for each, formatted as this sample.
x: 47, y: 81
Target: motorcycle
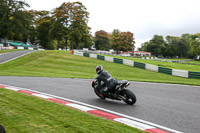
x: 121, y: 93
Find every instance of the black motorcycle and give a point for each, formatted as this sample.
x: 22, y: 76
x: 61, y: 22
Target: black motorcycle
x: 121, y: 93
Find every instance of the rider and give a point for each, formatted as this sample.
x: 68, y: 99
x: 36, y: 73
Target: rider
x: 107, y: 79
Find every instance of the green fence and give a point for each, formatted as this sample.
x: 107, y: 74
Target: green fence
x: 165, y: 70
x: 139, y: 65
x: 194, y: 75
x: 86, y: 54
x: 120, y: 61
x: 100, y: 57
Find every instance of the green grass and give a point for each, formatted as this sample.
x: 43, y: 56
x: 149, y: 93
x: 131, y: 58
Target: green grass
x: 40, y: 116
x: 64, y: 65
x: 10, y: 50
x: 189, y: 66
x: 194, y: 63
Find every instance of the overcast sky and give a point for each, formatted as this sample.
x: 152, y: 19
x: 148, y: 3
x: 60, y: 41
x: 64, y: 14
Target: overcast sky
x: 144, y: 18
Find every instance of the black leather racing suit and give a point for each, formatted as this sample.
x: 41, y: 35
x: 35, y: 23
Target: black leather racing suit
x: 108, y: 80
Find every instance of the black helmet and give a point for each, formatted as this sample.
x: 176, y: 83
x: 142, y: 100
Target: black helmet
x: 99, y: 69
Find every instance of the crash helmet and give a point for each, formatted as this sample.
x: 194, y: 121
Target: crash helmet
x: 99, y: 69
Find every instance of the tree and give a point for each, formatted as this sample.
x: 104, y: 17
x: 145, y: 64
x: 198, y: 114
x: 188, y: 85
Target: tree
x: 74, y: 17
x: 122, y: 41
x: 115, y: 40
x: 44, y: 29
x: 127, y: 41
x: 195, y: 45
x: 144, y: 46
x: 170, y: 46
x: 156, y: 45
x: 13, y: 20
x: 177, y: 46
x: 21, y: 26
x: 101, y: 40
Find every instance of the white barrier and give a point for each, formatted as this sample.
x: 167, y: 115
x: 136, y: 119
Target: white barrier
x: 151, y: 67
x: 128, y: 62
x: 78, y: 53
x: 30, y: 48
x: 93, y: 56
x: 20, y: 47
x: 110, y: 59
x: 180, y: 73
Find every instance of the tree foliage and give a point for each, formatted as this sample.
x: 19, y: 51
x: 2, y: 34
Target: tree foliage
x: 73, y: 17
x: 186, y: 46
x: 102, y: 40
x: 122, y: 41
x: 64, y: 27
x: 14, y: 23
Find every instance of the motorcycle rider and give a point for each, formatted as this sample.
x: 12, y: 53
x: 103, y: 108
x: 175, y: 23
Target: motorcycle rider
x: 108, y: 81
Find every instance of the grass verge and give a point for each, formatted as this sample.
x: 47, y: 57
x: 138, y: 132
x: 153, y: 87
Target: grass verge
x: 64, y: 65
x: 40, y: 116
x: 10, y: 50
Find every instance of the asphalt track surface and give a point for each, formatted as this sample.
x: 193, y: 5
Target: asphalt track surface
x: 173, y: 106
x: 12, y: 55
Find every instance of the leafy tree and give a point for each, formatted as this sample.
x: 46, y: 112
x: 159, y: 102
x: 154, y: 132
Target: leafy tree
x: 177, y: 46
x: 187, y: 46
x: 127, y: 41
x: 122, y: 41
x: 44, y: 28
x: 170, y: 46
x: 102, y: 40
x: 115, y: 40
x: 74, y: 17
x: 143, y: 46
x: 156, y: 45
x: 13, y: 20
x: 21, y: 26
x: 195, y: 45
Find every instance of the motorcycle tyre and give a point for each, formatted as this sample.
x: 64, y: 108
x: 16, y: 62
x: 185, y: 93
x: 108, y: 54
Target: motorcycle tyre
x: 129, y: 95
x: 97, y: 93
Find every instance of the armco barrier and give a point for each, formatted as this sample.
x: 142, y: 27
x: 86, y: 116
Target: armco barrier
x: 86, y: 54
x: 151, y: 67
x: 139, y: 65
x: 195, y: 75
x: 93, y: 56
x: 109, y: 59
x: 165, y: 70
x: 116, y: 60
x: 100, y: 57
x: 174, y: 72
x: 128, y: 62
x: 180, y: 73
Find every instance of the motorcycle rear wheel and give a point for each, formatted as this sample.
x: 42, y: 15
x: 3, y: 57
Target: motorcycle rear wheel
x: 130, y: 97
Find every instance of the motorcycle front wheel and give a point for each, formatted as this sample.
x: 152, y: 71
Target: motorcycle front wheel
x: 130, y: 97
x: 97, y: 93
